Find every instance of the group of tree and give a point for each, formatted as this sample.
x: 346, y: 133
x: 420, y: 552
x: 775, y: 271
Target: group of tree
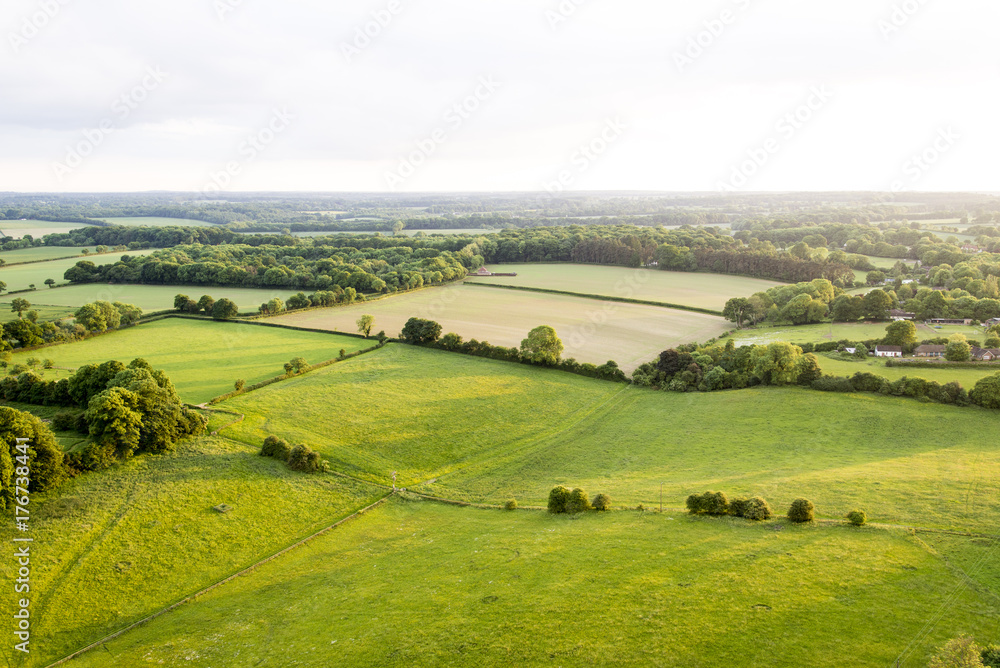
x: 717, y: 504
x: 299, y: 458
x: 35, y: 465
x: 963, y: 652
x: 564, y: 500
x: 223, y: 309
x: 101, y: 316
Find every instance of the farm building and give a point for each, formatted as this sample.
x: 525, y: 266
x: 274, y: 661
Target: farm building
x: 483, y: 271
x: 897, y: 314
x: 929, y: 351
x: 950, y: 321
x: 986, y: 354
x: 888, y: 351
x: 991, y: 322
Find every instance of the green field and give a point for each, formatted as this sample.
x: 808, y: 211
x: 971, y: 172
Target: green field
x: 19, y: 277
x: 591, y: 330
x: 823, y: 332
x: 45, y: 253
x: 420, y: 584
x: 835, y: 365
x: 44, y: 312
x: 203, y: 358
x: 155, y: 221
x: 149, y: 297
x: 36, y: 228
x: 710, y: 291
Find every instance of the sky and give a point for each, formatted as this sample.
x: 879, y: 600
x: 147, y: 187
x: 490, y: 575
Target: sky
x: 498, y: 95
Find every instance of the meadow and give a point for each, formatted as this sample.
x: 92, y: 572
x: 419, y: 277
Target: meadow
x: 44, y: 312
x: 45, y: 253
x: 20, y: 277
x: 700, y: 290
x: 203, y: 358
x: 156, y: 221
x: 837, y: 365
x: 591, y: 330
x: 838, y: 331
x: 422, y: 584
x: 149, y: 297
x: 36, y: 228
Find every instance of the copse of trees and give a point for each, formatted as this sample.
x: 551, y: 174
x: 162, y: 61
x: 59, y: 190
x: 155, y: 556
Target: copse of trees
x: 718, y: 504
x: 419, y: 331
x: 101, y: 316
x: 564, y: 500
x: 36, y: 465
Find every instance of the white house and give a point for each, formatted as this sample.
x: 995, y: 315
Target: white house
x: 888, y: 351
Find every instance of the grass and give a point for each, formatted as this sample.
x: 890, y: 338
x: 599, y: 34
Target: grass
x: 710, y: 291
x: 44, y: 312
x: 36, y: 228
x: 203, y: 358
x: 591, y: 330
x: 112, y: 547
x: 487, y: 431
x: 156, y: 221
x: 838, y: 331
x: 836, y: 365
x: 151, y: 297
x: 421, y: 584
x: 69, y: 441
x: 44, y: 253
x: 19, y: 277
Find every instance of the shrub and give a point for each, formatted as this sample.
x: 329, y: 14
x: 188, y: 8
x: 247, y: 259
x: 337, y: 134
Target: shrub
x: 755, y: 509
x: 578, y: 501
x: 693, y: 504
x: 857, y: 518
x: 832, y: 384
x: 239, y: 385
x: 602, y: 502
x: 709, y: 503
x: 48, y: 363
x: 558, y: 498
x: 991, y: 656
x: 961, y: 652
x: 64, y: 421
x: 304, y: 459
x: 510, y: 505
x: 801, y: 510
x: 275, y: 447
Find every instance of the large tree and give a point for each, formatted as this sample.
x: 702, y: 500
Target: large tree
x: 225, y: 309
x: 777, y: 363
x: 365, y: 324
x: 543, y: 346
x: 19, y: 305
x: 901, y: 333
x: 737, y: 310
x: 877, y: 305
x: 41, y: 452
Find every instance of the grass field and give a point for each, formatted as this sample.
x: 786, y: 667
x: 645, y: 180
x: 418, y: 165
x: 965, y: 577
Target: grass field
x: 823, y: 332
x: 203, y: 358
x: 421, y: 584
x: 154, y: 221
x: 44, y: 253
x: 44, y: 312
x: 591, y: 330
x: 710, y: 291
x: 113, y: 547
x: 36, y: 228
x: 19, y: 277
x: 149, y: 297
x: 834, y: 365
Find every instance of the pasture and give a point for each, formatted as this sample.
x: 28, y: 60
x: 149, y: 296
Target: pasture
x: 44, y: 312
x: 421, y: 584
x: 836, y: 365
x: 150, y: 297
x: 36, y: 228
x: 838, y: 331
x: 203, y: 358
x: 20, y: 277
x: 709, y: 291
x: 156, y: 221
x: 45, y: 253
x: 591, y: 330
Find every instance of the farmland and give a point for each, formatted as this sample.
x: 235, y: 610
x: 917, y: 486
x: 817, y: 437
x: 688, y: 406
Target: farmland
x: 155, y: 221
x: 44, y: 312
x: 626, y: 589
x: 20, y: 277
x: 838, y: 331
x: 835, y: 365
x: 592, y: 330
x: 203, y: 358
x: 708, y: 291
x: 45, y: 253
x: 36, y: 228
x: 150, y: 297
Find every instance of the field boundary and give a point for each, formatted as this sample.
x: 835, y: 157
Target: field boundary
x: 248, y: 569
x: 603, y: 298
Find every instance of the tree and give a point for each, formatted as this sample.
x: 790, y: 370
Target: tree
x: 115, y: 425
x: 205, y: 304
x: 558, y: 498
x: 602, y: 502
x: 299, y: 364
x: 239, y: 384
x: 19, y: 305
x: 801, y: 510
x: 991, y: 656
x: 874, y: 278
x: 225, y: 309
x: 992, y: 342
x: 99, y: 316
x: 3, y: 286
x: 987, y: 392
x: 737, y: 310
x: 41, y: 455
x: 777, y: 363
x: 50, y: 282
x: 542, y: 346
x: 861, y: 352
x: 809, y: 369
x: 877, y: 304
x: 578, y: 502
x: 958, y: 351
x: 961, y: 652
x: 304, y: 459
x: 181, y: 302
x: 901, y: 333
x: 857, y: 517
x: 417, y: 331
x: 365, y: 324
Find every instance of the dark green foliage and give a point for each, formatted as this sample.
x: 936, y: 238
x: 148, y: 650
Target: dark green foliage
x: 801, y: 510
x: 578, y: 501
x: 991, y: 656
x: 44, y: 458
x: 754, y: 508
x: 987, y: 392
x: 558, y: 498
x: 709, y: 503
x: 64, y: 421
x: 858, y: 518
x: 602, y: 502
x: 832, y: 384
x: 510, y: 505
x: 418, y: 331
x: 225, y: 309
x: 276, y: 447
x: 304, y: 459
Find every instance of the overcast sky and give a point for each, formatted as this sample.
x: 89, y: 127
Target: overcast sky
x: 263, y: 95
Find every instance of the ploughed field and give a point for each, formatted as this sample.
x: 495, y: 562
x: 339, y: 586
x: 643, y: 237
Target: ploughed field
x: 591, y: 330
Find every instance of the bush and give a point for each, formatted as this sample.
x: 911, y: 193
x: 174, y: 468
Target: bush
x: 48, y: 363
x: 558, y: 498
x: 82, y: 426
x: 275, y: 447
x: 801, y: 510
x: 832, y: 384
x: 709, y: 503
x: 991, y: 656
x: 602, y: 502
x: 578, y: 502
x: 510, y: 505
x: 64, y: 421
x: 857, y: 518
x: 304, y: 459
x: 755, y: 509
x: 239, y: 385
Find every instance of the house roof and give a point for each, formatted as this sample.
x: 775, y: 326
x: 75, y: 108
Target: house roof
x: 889, y: 349
x: 930, y: 349
x: 979, y: 352
x: 898, y: 312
